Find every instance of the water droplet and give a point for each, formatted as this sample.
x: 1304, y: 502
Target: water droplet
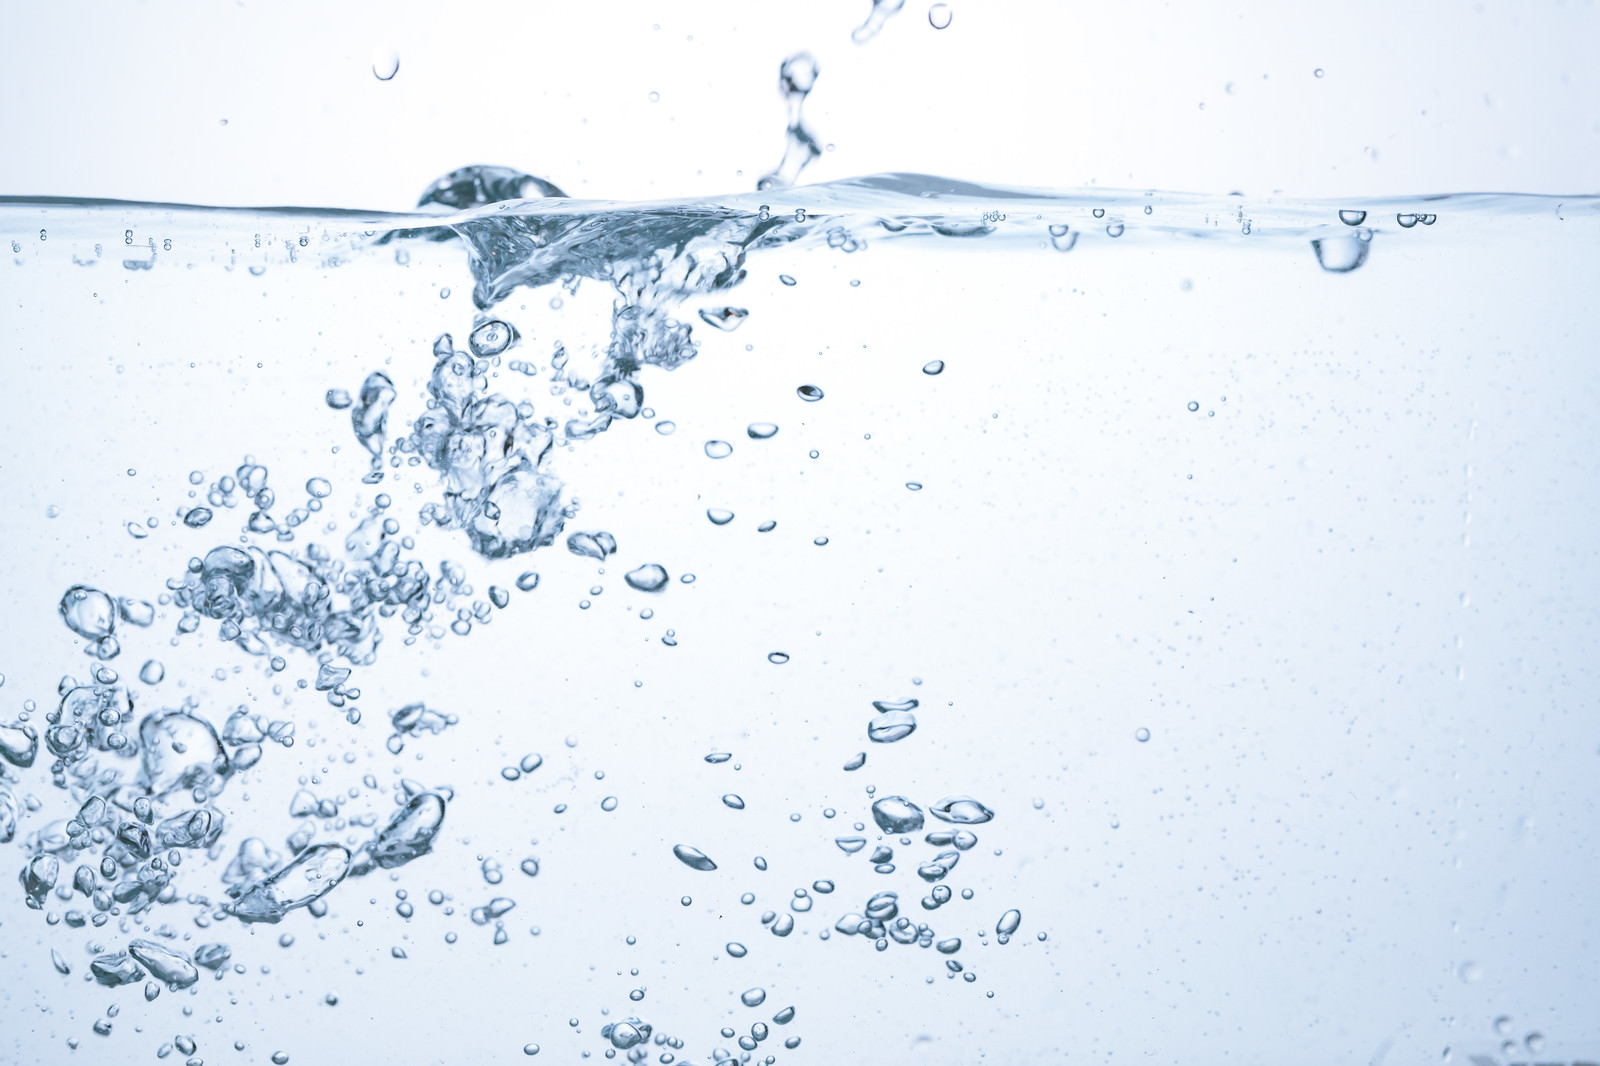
x: 718, y: 516
x: 761, y: 430
x: 651, y: 577
x: 1352, y: 217
x: 385, y: 63
x: 693, y: 858
x: 939, y: 16
x: 809, y: 393
x: 753, y: 997
x: 718, y: 449
x: 777, y: 658
x: 1141, y: 734
x: 530, y: 1049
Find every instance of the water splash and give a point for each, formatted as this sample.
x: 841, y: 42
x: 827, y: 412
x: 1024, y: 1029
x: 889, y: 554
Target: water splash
x: 796, y: 78
x: 880, y: 13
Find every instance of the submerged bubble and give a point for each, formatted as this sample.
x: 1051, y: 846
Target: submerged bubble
x: 761, y: 430
x: 385, y: 64
x: 856, y: 761
x: 492, y: 338
x: 314, y: 873
x: 891, y: 726
x: 1141, y: 734
x: 338, y: 399
x: 777, y: 658
x: 753, y: 997
x: 933, y: 367
x: 896, y: 815
x: 1343, y: 253
x: 88, y: 612
x: 651, y: 577
x: 1352, y: 217
x: 734, y: 801
x: 809, y: 393
x: 596, y: 545
x: 718, y: 516
x: 939, y: 16
x: 693, y: 858
x: 961, y: 810
x: 1008, y: 923
x: 718, y: 449
x: 726, y: 319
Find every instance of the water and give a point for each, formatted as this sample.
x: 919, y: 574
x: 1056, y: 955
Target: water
x: 366, y: 638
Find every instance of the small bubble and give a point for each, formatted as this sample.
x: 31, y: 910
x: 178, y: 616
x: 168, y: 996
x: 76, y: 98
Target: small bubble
x: 777, y: 658
x: 1114, y: 229
x: 761, y: 430
x: 530, y: 1049
x: 809, y: 393
x: 939, y: 16
x: 718, y: 449
x: 934, y: 367
x: 786, y: 279
x: 718, y: 516
x: 1317, y: 73
x: 1352, y: 217
x: 753, y: 997
x: 385, y: 64
x: 665, y: 427
x: 1141, y: 734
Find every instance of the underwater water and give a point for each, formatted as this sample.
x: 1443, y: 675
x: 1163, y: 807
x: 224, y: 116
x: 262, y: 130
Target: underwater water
x: 894, y: 619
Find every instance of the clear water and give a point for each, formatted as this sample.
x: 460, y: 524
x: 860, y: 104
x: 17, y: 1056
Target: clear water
x: 894, y: 619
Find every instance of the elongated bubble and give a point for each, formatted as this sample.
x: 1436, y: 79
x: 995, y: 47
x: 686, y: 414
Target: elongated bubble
x: 314, y: 873
x: 693, y: 858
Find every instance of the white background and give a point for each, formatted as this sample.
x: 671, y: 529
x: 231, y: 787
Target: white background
x: 128, y: 100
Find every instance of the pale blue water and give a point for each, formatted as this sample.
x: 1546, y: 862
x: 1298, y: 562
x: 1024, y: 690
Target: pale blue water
x: 901, y: 619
